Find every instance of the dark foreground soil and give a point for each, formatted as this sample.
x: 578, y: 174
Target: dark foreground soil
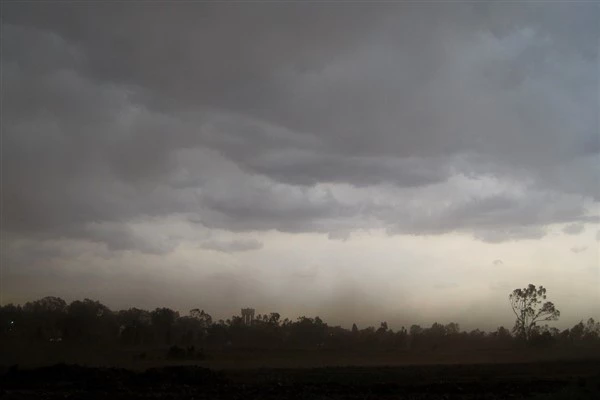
x: 557, y: 380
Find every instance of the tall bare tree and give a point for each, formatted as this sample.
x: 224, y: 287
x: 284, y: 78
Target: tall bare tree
x: 529, y: 308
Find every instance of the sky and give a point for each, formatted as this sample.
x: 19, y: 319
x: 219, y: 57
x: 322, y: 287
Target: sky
x: 407, y: 162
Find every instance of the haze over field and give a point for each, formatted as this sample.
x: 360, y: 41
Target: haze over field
x: 363, y: 162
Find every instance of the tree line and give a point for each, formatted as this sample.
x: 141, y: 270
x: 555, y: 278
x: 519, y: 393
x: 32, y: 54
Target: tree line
x: 89, y: 322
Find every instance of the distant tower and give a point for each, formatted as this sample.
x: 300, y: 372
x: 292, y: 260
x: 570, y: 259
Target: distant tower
x: 247, y: 316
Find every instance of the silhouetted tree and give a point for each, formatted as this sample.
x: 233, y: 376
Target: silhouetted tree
x: 383, y: 328
x: 49, y: 304
x: 452, y: 329
x: 162, y: 322
x: 592, y: 330
x: 204, y: 321
x: 529, y: 308
x: 502, y: 335
x: 90, y: 321
x: 201, y: 316
x: 11, y: 320
x: 135, y: 326
x: 46, y: 317
x: 274, y: 318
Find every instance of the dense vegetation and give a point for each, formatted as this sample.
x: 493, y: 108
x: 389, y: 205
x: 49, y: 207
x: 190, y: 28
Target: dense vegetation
x: 90, y: 322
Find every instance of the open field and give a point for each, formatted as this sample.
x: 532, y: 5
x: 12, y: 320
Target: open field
x: 31, y: 355
x: 555, y: 380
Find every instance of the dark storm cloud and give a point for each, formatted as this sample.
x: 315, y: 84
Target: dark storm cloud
x: 234, y: 115
x: 494, y: 218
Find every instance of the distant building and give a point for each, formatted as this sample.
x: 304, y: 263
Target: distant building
x: 247, y: 316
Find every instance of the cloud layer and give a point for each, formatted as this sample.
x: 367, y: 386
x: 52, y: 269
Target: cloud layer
x: 299, y: 118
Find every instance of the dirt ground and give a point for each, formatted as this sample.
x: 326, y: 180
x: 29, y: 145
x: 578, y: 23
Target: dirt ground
x: 549, y: 380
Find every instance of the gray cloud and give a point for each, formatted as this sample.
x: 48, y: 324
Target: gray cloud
x: 118, y: 237
x: 339, y: 235
x: 232, y: 246
x: 247, y: 120
x: 516, y: 233
x: 498, y: 262
x: 573, y: 229
x: 492, y: 218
